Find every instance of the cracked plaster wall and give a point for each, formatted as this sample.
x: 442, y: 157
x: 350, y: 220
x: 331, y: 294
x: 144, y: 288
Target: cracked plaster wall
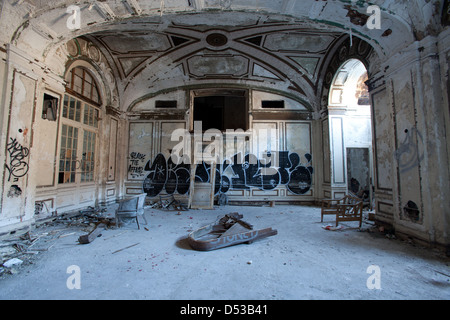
x: 408, y: 77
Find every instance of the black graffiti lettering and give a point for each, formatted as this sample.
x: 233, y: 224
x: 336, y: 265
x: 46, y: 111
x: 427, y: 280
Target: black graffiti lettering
x: 136, y: 168
x: 253, y: 177
x: 183, y: 178
x: 156, y: 180
x: 285, y: 165
x: 137, y: 156
x: 238, y: 181
x: 238, y: 173
x: 202, y: 172
x: 17, y: 167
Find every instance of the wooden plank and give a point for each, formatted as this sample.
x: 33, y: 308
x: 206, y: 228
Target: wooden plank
x: 236, y: 228
x: 192, y: 184
x: 205, y: 189
x: 90, y: 237
x: 212, y: 244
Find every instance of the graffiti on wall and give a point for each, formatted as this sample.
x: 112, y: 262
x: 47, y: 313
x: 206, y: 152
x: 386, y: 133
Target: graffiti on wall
x: 18, y: 165
x: 238, y: 173
x: 136, y: 167
x: 407, y: 154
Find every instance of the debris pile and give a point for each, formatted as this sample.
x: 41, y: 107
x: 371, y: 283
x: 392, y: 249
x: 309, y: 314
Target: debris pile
x: 228, y: 230
x: 167, y: 203
x: 19, y: 249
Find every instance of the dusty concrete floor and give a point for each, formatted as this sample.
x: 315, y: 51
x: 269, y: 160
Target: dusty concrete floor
x: 304, y: 261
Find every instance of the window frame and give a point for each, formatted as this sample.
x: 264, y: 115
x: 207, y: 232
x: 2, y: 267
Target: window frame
x: 94, y: 86
x: 83, y: 117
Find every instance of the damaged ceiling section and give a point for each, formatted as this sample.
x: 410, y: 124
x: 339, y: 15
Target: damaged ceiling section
x: 93, y: 91
x: 278, y: 46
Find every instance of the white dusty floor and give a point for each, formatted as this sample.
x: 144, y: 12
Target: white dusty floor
x: 304, y: 261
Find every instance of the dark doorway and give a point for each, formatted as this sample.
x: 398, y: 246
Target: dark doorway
x: 221, y: 112
x: 358, y: 171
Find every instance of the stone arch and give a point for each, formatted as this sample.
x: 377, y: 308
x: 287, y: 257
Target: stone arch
x: 348, y: 86
x: 88, y: 56
x: 349, y: 139
x: 345, y: 49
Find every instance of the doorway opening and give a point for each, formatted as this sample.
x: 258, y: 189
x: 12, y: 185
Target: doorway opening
x: 221, y: 109
x: 350, y: 122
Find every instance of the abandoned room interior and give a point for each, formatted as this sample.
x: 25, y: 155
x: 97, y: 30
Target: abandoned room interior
x: 292, y: 102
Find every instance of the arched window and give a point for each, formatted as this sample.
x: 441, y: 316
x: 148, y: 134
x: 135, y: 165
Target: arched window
x: 79, y: 128
x: 82, y: 84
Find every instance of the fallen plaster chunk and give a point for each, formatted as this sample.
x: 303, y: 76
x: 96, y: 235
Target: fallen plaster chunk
x: 12, y: 262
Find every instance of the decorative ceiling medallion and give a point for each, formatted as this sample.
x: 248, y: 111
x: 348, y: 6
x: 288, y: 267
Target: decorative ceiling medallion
x: 217, y: 40
x: 73, y: 48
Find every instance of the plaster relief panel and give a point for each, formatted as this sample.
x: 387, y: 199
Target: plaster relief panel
x: 408, y: 155
x: 309, y: 64
x: 114, y: 126
x: 139, y: 148
x: 337, y: 149
x: 137, y: 43
x: 326, y: 151
x: 131, y: 63
x: 17, y: 166
x: 265, y: 138
x: 298, y: 138
x: 231, y: 66
x: 297, y: 42
x: 262, y: 72
x: 384, y: 144
x: 166, y: 143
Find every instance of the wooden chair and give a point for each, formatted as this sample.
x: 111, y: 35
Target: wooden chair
x: 346, y: 209
x: 351, y: 211
x: 131, y: 208
x: 330, y: 206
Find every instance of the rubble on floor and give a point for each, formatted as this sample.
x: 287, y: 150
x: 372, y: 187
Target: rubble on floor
x: 168, y: 203
x: 21, y: 249
x: 227, y: 231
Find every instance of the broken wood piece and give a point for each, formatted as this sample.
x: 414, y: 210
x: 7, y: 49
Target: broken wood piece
x: 66, y: 235
x: 228, y: 231
x: 88, y: 238
x: 235, y: 229
x: 133, y: 245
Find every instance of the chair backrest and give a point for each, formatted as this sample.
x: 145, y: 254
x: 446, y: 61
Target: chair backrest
x: 135, y: 203
x: 355, y: 205
x: 129, y: 204
x: 352, y: 200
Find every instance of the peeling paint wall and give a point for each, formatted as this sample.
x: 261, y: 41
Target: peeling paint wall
x: 410, y: 143
x: 271, y: 132
x: 17, y: 186
x: 144, y: 54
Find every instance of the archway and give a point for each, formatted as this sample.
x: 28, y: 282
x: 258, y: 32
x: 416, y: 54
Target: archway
x: 350, y: 125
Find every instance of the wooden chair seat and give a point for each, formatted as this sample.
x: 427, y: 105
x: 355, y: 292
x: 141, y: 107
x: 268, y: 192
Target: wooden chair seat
x: 346, y: 209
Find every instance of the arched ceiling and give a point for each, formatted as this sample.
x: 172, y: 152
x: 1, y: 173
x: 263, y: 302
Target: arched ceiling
x: 271, y: 55
x: 275, y: 45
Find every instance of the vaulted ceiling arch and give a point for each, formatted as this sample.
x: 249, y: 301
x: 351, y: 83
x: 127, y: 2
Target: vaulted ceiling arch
x: 173, y: 47
x: 284, y: 58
